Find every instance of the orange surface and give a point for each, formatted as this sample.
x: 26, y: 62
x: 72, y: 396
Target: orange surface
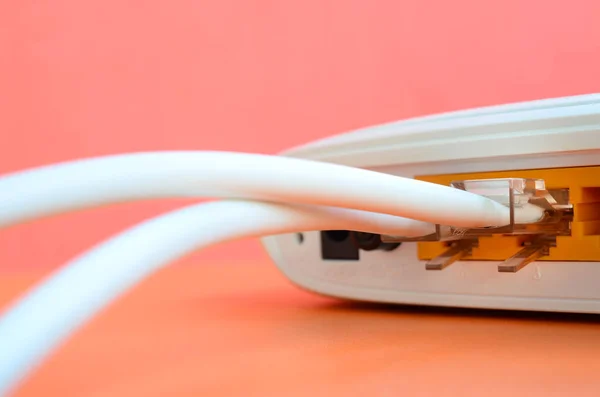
x: 83, y: 78
x: 243, y: 330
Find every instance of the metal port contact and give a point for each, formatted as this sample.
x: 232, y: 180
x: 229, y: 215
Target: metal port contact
x: 537, y: 217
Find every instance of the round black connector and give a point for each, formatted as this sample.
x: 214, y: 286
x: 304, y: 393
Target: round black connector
x: 371, y: 242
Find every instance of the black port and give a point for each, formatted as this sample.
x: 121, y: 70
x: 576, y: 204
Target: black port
x: 337, y: 245
x: 371, y: 242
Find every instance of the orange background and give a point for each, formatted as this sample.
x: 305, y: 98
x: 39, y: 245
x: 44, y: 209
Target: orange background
x: 241, y: 330
x: 98, y: 77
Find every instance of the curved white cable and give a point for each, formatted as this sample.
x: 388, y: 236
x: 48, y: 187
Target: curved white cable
x: 58, y: 306
x: 92, y: 182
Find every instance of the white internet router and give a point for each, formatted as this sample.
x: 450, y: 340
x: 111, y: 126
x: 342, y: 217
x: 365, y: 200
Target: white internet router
x: 546, y: 150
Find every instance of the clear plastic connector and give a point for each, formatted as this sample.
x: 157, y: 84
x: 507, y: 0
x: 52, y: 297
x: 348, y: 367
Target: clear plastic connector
x: 533, y: 210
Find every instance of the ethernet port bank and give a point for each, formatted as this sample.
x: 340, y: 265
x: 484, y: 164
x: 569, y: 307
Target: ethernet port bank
x: 576, y: 193
x: 542, y: 156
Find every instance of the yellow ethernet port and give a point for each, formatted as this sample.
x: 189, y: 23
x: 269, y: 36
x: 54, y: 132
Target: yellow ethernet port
x: 583, y: 243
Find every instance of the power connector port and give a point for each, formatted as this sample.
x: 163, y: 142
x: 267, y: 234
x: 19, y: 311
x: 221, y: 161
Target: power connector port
x: 337, y: 245
x: 346, y: 245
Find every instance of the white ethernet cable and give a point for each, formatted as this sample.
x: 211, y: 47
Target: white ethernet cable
x: 52, y: 311
x: 56, y: 308
x: 92, y: 182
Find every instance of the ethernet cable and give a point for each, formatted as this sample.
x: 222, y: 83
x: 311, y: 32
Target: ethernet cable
x: 69, y: 186
x: 52, y: 311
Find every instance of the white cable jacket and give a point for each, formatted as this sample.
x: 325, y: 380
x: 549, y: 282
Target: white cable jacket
x: 53, y: 310
x: 93, y: 182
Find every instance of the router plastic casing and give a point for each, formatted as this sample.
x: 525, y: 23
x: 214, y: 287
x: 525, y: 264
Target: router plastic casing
x: 546, y: 134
